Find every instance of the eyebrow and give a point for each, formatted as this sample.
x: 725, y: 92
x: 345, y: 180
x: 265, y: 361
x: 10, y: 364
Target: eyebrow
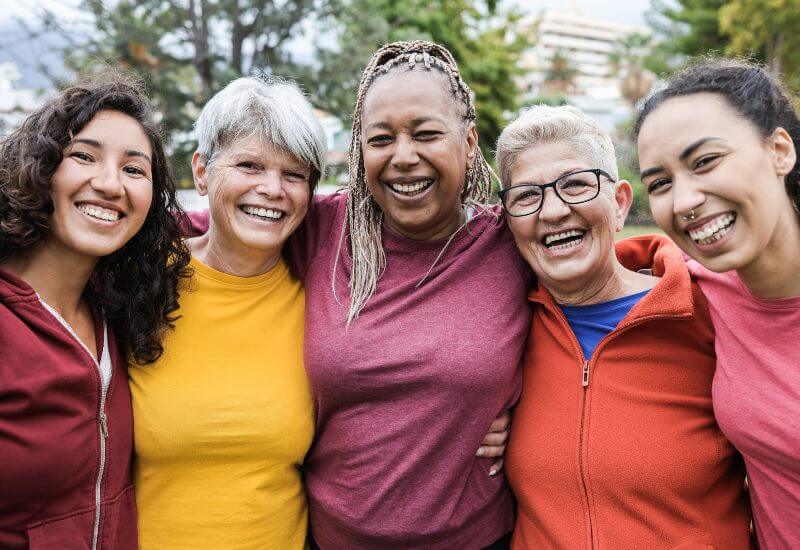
x: 130, y: 152
x: 694, y: 146
x: 415, y: 122
x: 683, y: 156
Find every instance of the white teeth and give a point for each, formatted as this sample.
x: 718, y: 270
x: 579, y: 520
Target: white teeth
x: 565, y: 235
x: 99, y: 213
x: 266, y: 213
x: 411, y: 187
x: 714, y: 230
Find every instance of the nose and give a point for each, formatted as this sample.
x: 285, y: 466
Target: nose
x: 553, y: 208
x: 686, y: 196
x: 405, y: 153
x: 107, y: 180
x: 269, y: 184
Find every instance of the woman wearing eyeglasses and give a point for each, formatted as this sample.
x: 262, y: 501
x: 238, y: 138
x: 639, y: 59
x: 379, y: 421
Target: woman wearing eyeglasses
x: 614, y: 442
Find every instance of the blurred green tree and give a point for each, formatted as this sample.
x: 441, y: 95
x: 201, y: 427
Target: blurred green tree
x: 560, y: 75
x: 481, y: 38
x: 186, y: 50
x: 768, y: 30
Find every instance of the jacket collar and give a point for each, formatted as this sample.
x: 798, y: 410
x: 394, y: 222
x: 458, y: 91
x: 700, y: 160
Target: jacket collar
x: 672, y: 295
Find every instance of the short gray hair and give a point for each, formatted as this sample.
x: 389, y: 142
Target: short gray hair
x: 268, y: 107
x: 545, y: 124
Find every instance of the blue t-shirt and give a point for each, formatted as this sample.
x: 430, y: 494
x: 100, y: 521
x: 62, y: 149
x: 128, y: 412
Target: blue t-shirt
x: 591, y: 323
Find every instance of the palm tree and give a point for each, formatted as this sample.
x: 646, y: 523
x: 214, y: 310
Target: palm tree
x: 627, y: 61
x: 560, y: 76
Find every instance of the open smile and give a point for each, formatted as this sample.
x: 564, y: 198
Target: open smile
x: 411, y: 188
x: 99, y: 213
x: 564, y: 240
x: 261, y: 213
x: 712, y: 230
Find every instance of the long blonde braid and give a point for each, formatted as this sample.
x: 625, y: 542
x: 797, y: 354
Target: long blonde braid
x: 364, y: 216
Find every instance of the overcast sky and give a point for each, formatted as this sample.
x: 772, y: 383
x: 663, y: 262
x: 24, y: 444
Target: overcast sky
x: 626, y: 11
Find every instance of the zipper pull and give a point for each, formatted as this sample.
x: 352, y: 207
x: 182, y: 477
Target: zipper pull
x: 103, y: 424
x: 585, y: 380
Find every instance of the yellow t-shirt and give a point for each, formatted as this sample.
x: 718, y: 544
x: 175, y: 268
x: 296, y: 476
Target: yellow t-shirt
x: 223, y: 420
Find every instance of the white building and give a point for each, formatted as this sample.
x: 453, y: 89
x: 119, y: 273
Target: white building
x: 586, y: 43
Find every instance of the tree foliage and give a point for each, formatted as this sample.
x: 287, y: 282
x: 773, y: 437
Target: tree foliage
x: 763, y: 30
x: 186, y: 50
x: 481, y: 39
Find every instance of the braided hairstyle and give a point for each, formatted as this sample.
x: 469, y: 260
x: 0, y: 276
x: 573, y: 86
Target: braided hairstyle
x: 364, y: 216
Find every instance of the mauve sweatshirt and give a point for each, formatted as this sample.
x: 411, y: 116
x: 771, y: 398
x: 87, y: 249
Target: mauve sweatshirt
x: 405, y: 395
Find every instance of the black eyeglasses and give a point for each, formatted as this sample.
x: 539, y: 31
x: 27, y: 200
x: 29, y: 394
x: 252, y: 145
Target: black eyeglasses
x: 525, y: 199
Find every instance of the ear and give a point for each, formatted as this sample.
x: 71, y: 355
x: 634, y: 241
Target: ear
x: 783, y: 151
x: 472, y: 143
x: 623, y: 195
x: 200, y: 174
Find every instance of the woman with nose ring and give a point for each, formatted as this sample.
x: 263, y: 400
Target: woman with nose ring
x: 725, y: 186
x: 614, y: 442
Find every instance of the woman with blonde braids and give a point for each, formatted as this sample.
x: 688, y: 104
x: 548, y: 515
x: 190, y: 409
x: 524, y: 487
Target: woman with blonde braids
x: 416, y: 321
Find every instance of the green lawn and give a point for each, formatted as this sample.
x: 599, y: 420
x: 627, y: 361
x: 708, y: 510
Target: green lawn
x: 633, y: 230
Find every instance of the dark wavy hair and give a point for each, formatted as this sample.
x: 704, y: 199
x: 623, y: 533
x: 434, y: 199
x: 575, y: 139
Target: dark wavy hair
x: 135, y: 287
x: 750, y: 89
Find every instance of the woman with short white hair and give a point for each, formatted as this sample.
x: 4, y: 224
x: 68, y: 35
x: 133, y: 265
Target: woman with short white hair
x: 224, y: 419
x: 614, y: 442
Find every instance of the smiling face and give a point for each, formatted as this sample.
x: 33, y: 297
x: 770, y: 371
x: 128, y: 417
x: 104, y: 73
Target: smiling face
x: 416, y: 150
x: 719, y: 168
x: 568, y: 246
x: 258, y: 196
x: 102, y: 189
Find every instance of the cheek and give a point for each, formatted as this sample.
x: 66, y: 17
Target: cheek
x: 523, y: 229
x: 141, y: 197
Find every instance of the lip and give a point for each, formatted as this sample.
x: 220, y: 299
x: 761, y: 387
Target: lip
x: 253, y: 219
x: 714, y: 247
x: 561, y: 253
x: 697, y: 224
x: 388, y: 183
x: 100, y: 204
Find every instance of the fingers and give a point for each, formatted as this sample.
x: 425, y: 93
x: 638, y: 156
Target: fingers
x: 494, y: 439
x: 501, y: 423
x: 497, y: 466
x: 491, y: 451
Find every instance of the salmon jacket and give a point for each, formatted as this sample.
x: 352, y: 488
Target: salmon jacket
x: 65, y: 439
x: 621, y: 450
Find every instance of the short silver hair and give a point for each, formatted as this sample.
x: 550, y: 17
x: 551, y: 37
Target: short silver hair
x: 273, y: 109
x: 545, y: 124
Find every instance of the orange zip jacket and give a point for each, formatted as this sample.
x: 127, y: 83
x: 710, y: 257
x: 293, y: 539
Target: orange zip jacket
x: 623, y: 451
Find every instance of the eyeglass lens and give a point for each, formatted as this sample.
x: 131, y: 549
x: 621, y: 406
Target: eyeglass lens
x: 572, y: 189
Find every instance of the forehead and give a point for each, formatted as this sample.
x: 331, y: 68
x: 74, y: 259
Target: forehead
x: 117, y: 130
x: 680, y: 121
x: 403, y: 95
x: 545, y: 162
x: 257, y: 147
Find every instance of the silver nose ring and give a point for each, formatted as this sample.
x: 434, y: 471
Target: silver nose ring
x: 691, y: 216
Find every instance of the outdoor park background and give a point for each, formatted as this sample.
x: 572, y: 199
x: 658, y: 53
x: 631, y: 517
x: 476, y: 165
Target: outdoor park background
x: 600, y: 56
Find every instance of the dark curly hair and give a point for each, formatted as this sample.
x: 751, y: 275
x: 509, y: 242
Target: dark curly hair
x: 135, y: 287
x: 750, y: 89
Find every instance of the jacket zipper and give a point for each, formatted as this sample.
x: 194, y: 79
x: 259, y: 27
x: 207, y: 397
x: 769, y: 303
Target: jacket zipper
x: 102, y: 420
x: 585, y: 372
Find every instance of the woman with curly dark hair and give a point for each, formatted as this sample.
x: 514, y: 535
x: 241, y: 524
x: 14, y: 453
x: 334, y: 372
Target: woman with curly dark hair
x: 90, y: 258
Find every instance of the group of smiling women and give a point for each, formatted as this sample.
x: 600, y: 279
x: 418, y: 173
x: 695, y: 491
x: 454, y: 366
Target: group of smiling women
x: 291, y: 371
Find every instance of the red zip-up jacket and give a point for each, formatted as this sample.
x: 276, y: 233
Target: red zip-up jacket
x: 65, y: 444
x: 623, y: 451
